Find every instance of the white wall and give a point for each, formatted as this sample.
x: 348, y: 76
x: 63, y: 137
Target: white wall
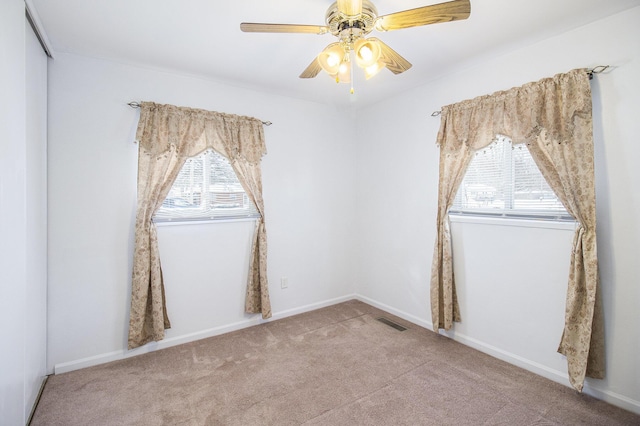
x: 22, y: 230
x: 12, y: 211
x: 511, y: 280
x: 308, y: 180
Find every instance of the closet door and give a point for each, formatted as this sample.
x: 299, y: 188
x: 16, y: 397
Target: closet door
x: 36, y: 216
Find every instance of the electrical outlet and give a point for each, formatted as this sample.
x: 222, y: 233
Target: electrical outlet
x: 284, y: 282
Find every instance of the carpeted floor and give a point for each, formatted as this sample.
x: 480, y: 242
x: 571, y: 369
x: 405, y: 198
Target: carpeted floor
x: 334, y: 366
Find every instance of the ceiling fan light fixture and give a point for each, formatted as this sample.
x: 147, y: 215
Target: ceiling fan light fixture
x: 367, y: 52
x: 344, y: 72
x: 372, y: 70
x: 331, y: 58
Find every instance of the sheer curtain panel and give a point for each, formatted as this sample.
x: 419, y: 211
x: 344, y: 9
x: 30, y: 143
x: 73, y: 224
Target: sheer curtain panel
x: 167, y: 136
x: 553, y: 117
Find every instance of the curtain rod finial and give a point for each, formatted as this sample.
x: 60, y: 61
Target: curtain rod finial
x: 597, y: 70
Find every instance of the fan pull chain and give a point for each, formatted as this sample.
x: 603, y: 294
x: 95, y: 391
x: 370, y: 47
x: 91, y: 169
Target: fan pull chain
x: 352, y: 58
x: 351, y: 71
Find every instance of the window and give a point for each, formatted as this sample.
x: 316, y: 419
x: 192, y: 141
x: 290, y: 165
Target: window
x: 502, y: 179
x: 207, y: 188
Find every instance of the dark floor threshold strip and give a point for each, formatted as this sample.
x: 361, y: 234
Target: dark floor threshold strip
x: 37, y: 401
x: 391, y: 324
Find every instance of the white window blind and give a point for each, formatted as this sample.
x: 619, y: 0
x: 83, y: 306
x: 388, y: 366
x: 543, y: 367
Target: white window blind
x: 207, y: 188
x: 502, y: 179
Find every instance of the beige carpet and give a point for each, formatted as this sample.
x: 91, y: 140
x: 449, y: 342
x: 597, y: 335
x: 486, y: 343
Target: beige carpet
x: 334, y: 366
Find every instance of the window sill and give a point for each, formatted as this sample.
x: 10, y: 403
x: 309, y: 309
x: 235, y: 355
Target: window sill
x: 203, y: 222
x: 511, y: 221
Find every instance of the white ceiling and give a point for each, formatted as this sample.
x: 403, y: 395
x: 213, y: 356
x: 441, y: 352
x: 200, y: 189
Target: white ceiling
x: 202, y: 37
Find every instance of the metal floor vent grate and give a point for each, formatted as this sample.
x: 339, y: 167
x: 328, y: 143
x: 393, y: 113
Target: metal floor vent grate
x: 391, y: 324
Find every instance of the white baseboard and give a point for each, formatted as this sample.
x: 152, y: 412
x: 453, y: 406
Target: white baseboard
x: 561, y: 377
x: 547, y: 372
x: 612, y: 398
x: 542, y: 370
x: 310, y: 307
x: 191, y: 337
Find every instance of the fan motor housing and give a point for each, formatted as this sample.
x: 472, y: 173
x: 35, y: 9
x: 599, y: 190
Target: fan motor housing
x: 345, y: 27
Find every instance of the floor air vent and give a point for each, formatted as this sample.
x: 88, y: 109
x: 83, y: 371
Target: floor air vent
x: 391, y: 324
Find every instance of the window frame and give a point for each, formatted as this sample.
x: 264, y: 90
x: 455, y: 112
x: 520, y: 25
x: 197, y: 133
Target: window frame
x: 521, y: 222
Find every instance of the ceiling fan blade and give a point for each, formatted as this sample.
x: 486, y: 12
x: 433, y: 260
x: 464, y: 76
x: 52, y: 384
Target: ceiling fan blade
x: 433, y: 14
x: 312, y: 70
x: 391, y: 59
x: 249, y: 27
x: 350, y: 7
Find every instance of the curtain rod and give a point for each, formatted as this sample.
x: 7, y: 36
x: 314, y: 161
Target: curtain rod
x: 137, y: 105
x: 590, y: 71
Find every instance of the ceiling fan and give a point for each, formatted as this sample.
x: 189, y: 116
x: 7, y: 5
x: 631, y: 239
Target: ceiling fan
x: 350, y: 21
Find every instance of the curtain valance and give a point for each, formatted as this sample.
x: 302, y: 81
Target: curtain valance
x: 552, y: 104
x: 162, y: 127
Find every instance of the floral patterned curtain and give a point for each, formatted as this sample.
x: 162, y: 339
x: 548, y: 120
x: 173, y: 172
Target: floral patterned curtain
x: 167, y: 136
x: 553, y: 117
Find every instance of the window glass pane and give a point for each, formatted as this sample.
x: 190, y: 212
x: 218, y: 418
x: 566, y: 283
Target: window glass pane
x: 483, y: 186
x: 503, y: 179
x: 206, y: 188
x: 531, y: 190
